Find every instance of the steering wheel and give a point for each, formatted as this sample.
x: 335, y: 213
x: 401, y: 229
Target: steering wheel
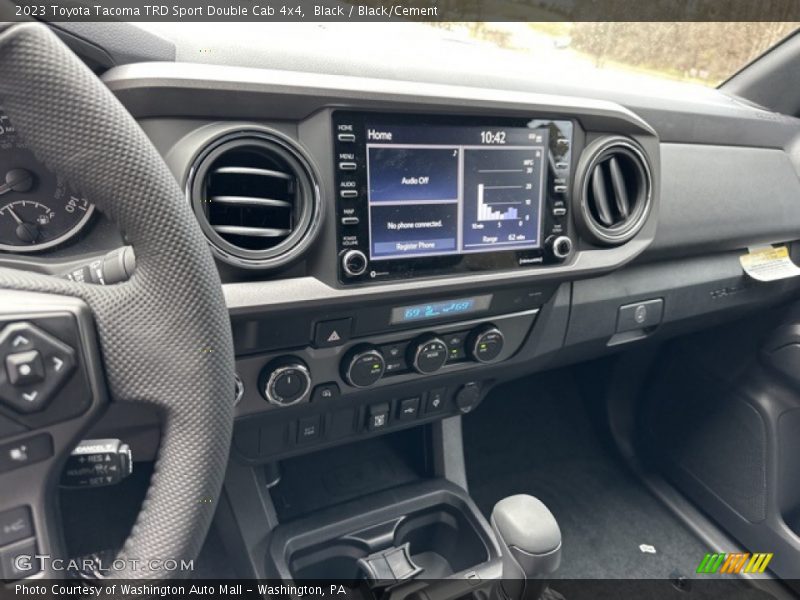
x: 163, y: 337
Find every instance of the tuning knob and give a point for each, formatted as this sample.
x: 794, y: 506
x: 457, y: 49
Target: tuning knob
x: 428, y: 355
x: 363, y: 366
x: 561, y: 247
x: 285, y: 382
x: 486, y: 343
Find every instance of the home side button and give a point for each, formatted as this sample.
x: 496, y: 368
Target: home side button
x: 332, y: 333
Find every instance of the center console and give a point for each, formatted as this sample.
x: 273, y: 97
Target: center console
x: 420, y: 196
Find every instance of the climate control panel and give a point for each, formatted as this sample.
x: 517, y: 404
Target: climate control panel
x: 310, y: 375
x: 319, y: 393
x: 366, y: 364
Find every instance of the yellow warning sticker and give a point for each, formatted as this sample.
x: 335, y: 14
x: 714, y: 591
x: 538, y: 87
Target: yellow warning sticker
x: 769, y: 263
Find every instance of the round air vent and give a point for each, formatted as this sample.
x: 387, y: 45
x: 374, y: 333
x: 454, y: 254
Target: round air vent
x: 615, y: 190
x: 256, y: 199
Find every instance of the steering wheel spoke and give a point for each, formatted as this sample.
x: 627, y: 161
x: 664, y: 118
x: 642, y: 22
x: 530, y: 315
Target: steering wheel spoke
x: 51, y: 389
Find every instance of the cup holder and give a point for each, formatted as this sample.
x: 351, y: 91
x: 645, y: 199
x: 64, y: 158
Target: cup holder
x: 441, y: 541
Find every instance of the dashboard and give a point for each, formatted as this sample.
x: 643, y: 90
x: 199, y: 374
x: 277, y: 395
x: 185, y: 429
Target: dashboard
x: 389, y: 252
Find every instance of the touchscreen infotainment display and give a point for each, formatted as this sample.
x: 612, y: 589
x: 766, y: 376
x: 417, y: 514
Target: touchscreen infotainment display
x: 441, y: 189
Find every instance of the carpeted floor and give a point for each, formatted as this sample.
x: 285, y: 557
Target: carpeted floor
x: 535, y: 436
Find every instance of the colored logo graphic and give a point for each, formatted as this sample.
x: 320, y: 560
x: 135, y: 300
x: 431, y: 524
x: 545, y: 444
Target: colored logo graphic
x: 738, y: 562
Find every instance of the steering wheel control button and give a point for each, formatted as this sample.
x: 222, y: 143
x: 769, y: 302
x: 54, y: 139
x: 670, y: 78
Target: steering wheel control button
x: 364, y: 366
x: 24, y: 452
x: 24, y: 368
x: 468, y: 397
x: 309, y: 429
x: 435, y: 400
x: 36, y: 364
x: 286, y: 383
x: 15, y: 525
x: 354, y: 263
x: 326, y: 392
x: 640, y: 315
x: 429, y: 355
x: 12, y: 568
x: 378, y: 416
x: 408, y: 409
x: 328, y: 334
x: 486, y: 344
x: 97, y: 463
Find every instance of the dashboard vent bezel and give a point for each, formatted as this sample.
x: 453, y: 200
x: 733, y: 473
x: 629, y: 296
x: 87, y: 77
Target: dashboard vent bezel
x: 305, y: 203
x: 639, y: 193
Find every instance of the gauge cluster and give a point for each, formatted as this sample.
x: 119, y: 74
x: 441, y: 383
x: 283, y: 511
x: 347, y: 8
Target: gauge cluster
x: 38, y: 211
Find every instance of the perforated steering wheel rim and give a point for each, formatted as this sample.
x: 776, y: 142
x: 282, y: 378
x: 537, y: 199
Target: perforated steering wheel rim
x: 164, y: 335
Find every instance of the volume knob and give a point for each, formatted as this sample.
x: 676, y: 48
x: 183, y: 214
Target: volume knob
x: 354, y: 263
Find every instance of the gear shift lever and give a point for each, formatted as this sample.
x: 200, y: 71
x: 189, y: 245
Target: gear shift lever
x: 531, y: 542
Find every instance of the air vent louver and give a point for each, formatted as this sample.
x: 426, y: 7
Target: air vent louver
x: 615, y: 191
x: 255, y: 199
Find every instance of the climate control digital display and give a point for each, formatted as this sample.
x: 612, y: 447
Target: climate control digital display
x: 435, y: 310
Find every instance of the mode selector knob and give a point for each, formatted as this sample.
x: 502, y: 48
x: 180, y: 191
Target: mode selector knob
x: 486, y: 343
x: 428, y: 355
x: 285, y: 382
x: 363, y: 366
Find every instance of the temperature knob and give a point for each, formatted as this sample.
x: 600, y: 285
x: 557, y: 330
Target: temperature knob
x: 364, y: 366
x: 429, y: 355
x: 286, y: 382
x: 486, y: 343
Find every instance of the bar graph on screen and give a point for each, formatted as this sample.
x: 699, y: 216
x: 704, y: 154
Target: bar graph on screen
x: 486, y: 210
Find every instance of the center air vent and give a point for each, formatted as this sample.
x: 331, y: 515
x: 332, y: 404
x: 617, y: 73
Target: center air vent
x: 615, y: 191
x: 255, y: 198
